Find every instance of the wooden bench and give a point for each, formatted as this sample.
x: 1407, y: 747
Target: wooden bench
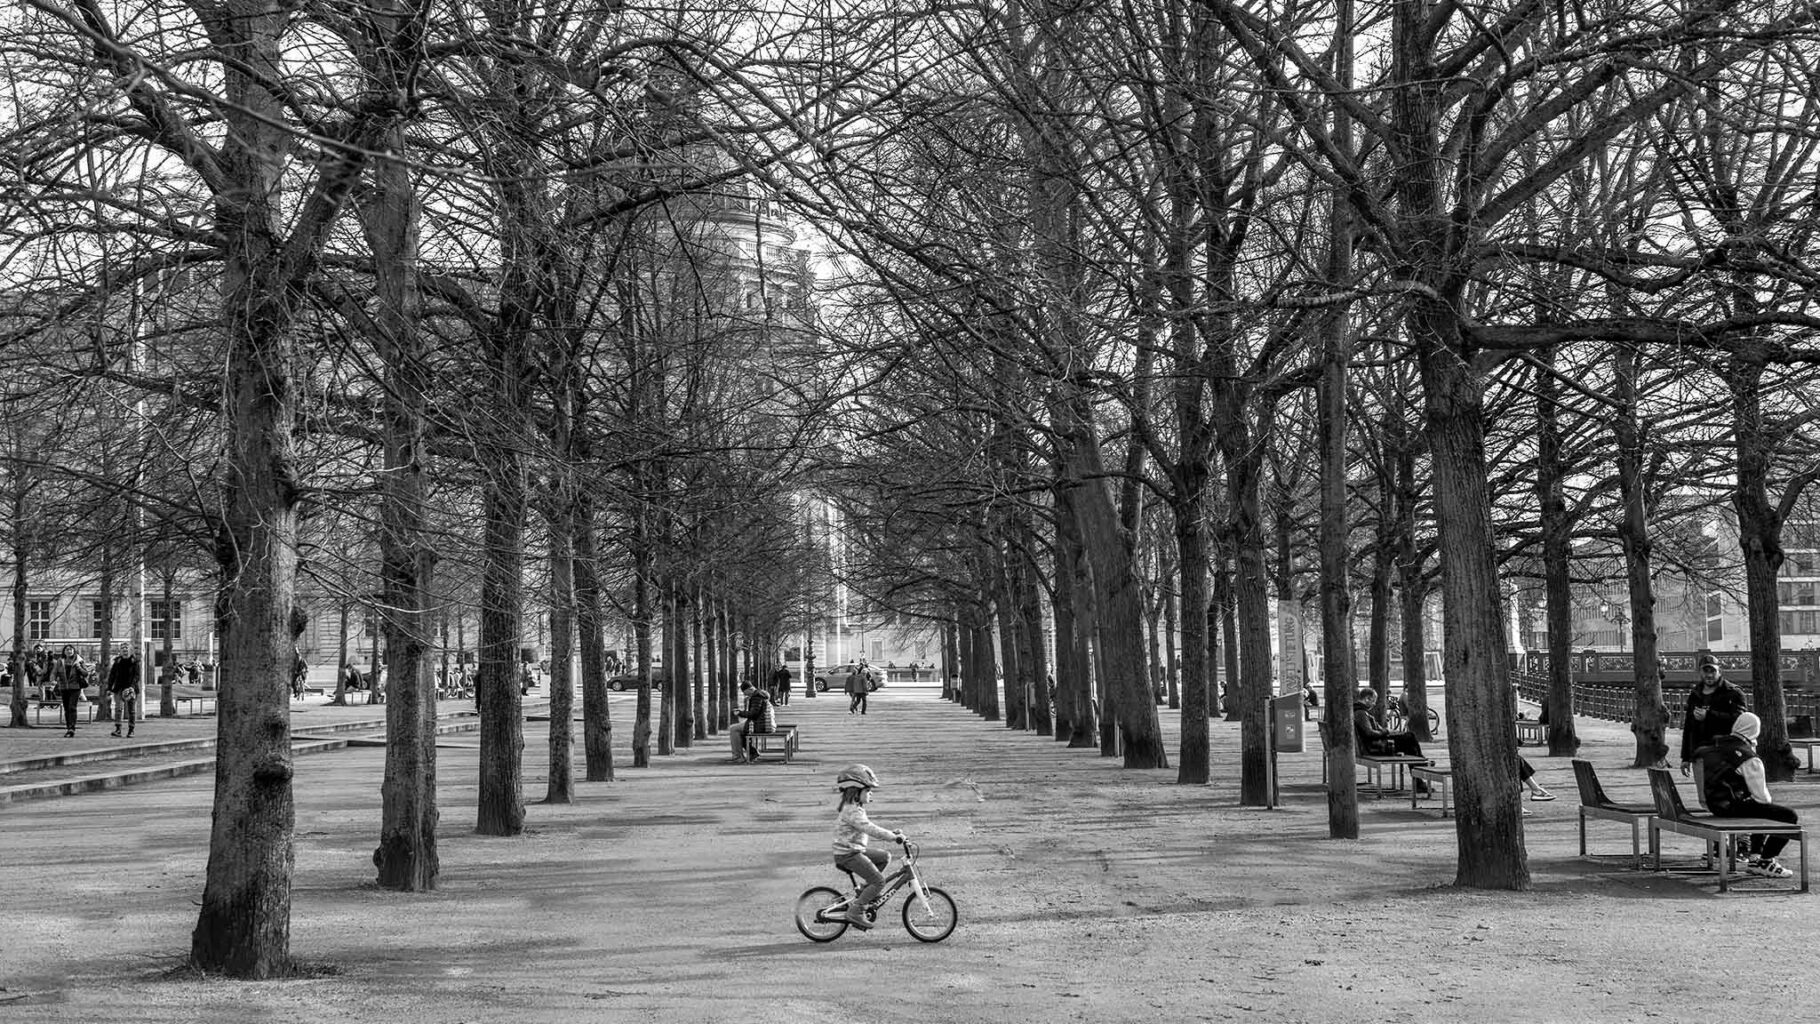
x: 195, y: 705
x: 1440, y: 782
x: 782, y: 737
x: 1375, y: 764
x: 1595, y: 804
x: 1673, y: 816
x: 55, y: 707
x: 1808, y: 743
x: 1530, y: 733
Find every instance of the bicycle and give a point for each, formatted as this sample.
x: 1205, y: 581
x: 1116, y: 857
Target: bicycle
x: 1396, y: 717
x: 929, y: 913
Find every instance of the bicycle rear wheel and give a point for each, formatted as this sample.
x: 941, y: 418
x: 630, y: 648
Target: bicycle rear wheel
x: 813, y: 916
x: 935, y: 924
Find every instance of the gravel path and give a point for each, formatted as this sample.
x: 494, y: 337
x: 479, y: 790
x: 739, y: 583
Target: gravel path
x: 1087, y: 892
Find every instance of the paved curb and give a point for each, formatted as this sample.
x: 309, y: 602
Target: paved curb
x: 314, y: 739
x: 116, y: 780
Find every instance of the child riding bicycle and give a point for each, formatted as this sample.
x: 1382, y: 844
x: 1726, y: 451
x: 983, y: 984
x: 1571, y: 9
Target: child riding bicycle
x: 851, y: 829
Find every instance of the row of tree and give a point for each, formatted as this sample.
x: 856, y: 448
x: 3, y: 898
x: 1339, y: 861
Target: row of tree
x: 398, y: 299
x: 1348, y: 298
x: 1137, y: 306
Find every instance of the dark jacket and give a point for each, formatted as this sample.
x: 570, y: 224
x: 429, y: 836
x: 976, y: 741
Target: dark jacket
x: 758, y: 711
x: 68, y: 675
x: 1723, y: 706
x: 1371, y: 735
x: 124, y: 675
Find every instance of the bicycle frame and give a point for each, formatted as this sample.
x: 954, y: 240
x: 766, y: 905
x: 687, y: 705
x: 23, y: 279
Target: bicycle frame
x: 906, y: 874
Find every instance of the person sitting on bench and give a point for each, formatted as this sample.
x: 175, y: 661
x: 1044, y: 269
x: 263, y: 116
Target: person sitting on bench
x: 1736, y: 787
x: 757, y: 716
x: 1376, y: 741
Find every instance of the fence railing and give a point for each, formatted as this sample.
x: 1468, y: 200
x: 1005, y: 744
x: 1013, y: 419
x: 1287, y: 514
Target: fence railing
x: 1619, y: 703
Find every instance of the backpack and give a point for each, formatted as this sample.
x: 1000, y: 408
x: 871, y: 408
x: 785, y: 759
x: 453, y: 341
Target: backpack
x: 1724, y: 783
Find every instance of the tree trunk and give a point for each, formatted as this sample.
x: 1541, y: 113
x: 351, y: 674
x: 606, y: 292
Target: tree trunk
x: 1481, y: 707
x: 1649, y: 719
x: 1192, y: 553
x: 1337, y: 665
x: 1251, y: 593
x: 18, y: 704
x: 560, y: 789
x: 501, y: 798
x: 1760, y: 537
x: 698, y: 700
x: 1118, y: 608
x: 406, y: 858
x: 596, y: 715
x: 341, y: 656
x: 1411, y: 559
x: 1015, y: 668
x: 641, y: 639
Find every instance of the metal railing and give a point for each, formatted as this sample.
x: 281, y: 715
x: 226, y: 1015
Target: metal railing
x: 1619, y: 703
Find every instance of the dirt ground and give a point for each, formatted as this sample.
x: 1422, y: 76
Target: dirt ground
x: 1086, y: 892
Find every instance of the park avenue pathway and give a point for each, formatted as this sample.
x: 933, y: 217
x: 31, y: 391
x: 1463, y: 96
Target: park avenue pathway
x: 1087, y: 892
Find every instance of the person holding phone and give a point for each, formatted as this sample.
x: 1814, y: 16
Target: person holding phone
x: 1713, y: 706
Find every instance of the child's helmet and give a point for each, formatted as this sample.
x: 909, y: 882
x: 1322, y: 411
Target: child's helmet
x: 856, y: 776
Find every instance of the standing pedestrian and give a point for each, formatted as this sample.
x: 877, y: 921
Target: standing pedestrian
x: 780, y: 684
x: 1713, y: 705
x: 300, y: 672
x: 69, y: 674
x: 123, y: 686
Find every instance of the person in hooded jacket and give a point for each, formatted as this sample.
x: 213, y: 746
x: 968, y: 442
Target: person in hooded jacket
x: 1736, y: 787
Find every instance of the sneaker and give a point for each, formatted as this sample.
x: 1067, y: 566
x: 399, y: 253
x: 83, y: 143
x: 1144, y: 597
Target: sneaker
x: 857, y: 918
x: 1770, y: 868
x: 1542, y: 795
x: 1526, y: 812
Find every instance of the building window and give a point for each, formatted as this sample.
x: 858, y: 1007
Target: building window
x: 1715, y: 606
x: 1799, y: 623
x: 166, y: 617
x: 1715, y: 629
x: 37, y: 620
x: 97, y: 618
x: 1798, y: 592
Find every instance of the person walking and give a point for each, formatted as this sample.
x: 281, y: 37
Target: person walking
x: 69, y: 674
x: 859, y: 684
x: 123, y: 686
x: 780, y: 684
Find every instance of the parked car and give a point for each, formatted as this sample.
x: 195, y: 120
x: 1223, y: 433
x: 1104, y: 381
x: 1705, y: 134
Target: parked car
x: 629, y: 680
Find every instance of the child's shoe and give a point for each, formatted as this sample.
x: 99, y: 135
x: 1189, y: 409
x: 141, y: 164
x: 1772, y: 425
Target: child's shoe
x: 857, y: 918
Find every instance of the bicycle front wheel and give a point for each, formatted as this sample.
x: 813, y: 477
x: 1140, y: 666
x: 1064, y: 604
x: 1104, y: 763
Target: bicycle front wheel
x: 934, y: 924
x: 815, y: 918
